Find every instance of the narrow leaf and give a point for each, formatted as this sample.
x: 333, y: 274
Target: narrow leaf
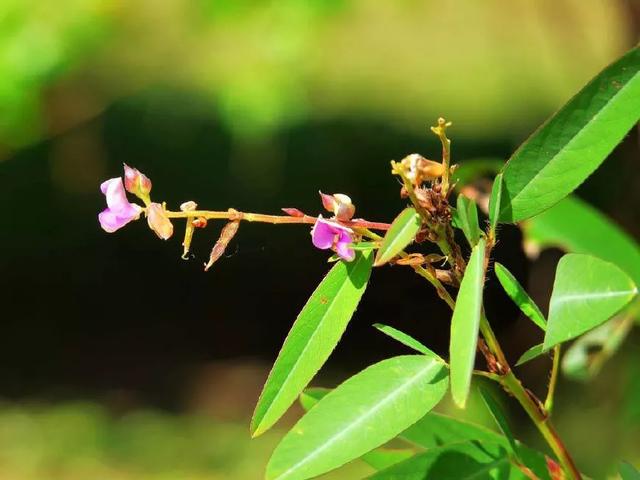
x: 312, y: 338
x: 402, y: 232
x: 576, y: 227
x: 464, y: 461
x: 533, y: 352
x: 467, y: 219
x: 364, y: 412
x: 559, y: 156
x: 465, y: 324
x: 494, y: 203
x: 406, y: 339
x: 500, y: 418
x: 587, y: 292
x: 628, y: 471
x: 519, y: 296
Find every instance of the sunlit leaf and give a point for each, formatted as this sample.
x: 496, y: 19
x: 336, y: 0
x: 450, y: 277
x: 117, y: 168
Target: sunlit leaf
x: 587, y: 292
x: 533, y: 352
x: 406, y: 339
x: 519, y: 296
x: 574, y: 142
x: 465, y: 324
x: 467, y: 219
x: 364, y: 412
x: 402, y: 232
x: 312, y: 338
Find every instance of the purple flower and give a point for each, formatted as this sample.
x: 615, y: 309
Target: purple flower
x: 119, y: 211
x: 326, y: 234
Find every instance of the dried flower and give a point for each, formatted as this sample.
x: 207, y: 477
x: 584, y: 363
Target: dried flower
x: 159, y: 222
x: 331, y: 235
x: 338, y: 204
x: 119, y: 211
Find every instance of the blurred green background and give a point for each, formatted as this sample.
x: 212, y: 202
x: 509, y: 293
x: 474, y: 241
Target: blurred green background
x: 118, y: 360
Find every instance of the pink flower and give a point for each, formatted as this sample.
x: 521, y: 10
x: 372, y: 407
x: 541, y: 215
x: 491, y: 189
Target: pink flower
x: 119, y: 211
x: 326, y: 234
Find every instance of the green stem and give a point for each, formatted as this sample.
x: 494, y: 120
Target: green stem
x: 536, y: 411
x: 553, y: 380
x: 540, y: 418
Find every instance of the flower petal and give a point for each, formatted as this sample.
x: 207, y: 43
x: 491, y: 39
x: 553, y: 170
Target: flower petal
x: 342, y: 246
x: 322, y: 234
x: 159, y: 222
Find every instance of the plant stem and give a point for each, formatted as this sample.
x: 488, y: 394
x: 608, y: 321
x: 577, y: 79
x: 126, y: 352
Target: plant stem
x: 540, y: 418
x: 232, y: 214
x: 534, y: 408
x: 553, y: 380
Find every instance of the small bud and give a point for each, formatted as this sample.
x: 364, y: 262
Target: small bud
x: 159, y: 222
x: 293, y: 212
x: 199, y: 222
x: 339, y: 204
x: 137, y: 183
x: 188, y: 206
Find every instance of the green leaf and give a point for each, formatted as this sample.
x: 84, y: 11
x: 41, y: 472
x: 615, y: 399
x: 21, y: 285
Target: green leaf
x: 464, y: 461
x: 465, y: 324
x: 494, y: 203
x: 467, y: 219
x: 364, y: 412
x: 499, y: 417
x: 402, y: 232
x: 628, y: 471
x: 519, y: 296
x: 311, y: 396
x: 382, y: 458
x: 312, y: 338
x: 406, y: 339
x: 435, y: 430
x: 560, y: 155
x: 575, y: 226
x: 587, y: 292
x: 533, y: 352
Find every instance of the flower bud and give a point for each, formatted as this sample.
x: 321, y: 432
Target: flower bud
x: 339, y: 204
x: 137, y: 183
x: 188, y: 206
x: 159, y: 222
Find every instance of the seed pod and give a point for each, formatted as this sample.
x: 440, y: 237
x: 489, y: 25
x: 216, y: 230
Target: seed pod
x: 228, y: 232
